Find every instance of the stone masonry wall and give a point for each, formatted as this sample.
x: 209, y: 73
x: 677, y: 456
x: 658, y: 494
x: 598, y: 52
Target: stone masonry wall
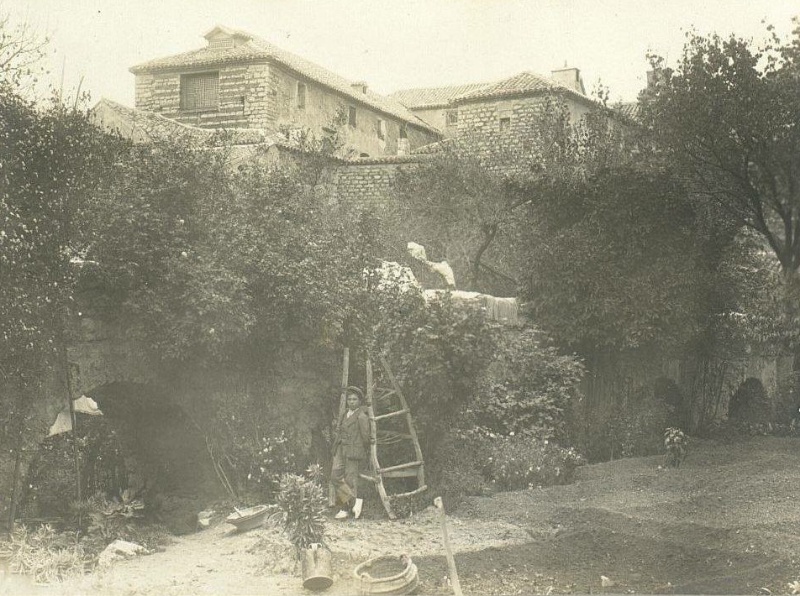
x: 266, y: 96
x: 366, y: 186
x: 502, y: 130
x: 245, y: 100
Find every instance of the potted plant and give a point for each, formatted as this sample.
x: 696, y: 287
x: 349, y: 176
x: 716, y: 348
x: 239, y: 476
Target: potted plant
x: 303, y: 502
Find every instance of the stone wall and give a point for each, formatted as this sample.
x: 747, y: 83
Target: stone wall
x: 502, y: 130
x: 366, y: 184
x: 325, y: 108
x: 266, y: 96
x: 245, y: 100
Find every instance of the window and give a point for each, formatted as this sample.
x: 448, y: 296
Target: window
x: 452, y: 117
x: 403, y: 131
x: 505, y: 124
x: 301, y: 96
x: 200, y: 91
x: 351, y: 116
x: 381, y: 128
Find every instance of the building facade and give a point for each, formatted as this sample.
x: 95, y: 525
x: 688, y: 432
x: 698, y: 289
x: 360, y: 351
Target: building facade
x: 241, y: 81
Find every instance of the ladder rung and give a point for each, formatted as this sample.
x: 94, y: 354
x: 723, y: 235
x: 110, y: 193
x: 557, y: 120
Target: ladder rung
x: 368, y: 478
x: 389, y: 393
x: 411, y: 464
x: 421, y: 489
x: 400, y: 474
x: 391, y: 414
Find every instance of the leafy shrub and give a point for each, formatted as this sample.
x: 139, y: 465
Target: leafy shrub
x: 675, y: 443
x: 633, y: 428
x: 438, y: 351
x: 46, y: 555
x: 457, y: 470
x: 520, y: 462
x: 530, y: 390
x: 304, y: 503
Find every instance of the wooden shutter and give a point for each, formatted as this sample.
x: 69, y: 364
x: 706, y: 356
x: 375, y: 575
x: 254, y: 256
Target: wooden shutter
x: 200, y: 91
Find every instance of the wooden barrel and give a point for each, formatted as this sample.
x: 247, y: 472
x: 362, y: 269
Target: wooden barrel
x: 317, y: 568
x: 387, y: 575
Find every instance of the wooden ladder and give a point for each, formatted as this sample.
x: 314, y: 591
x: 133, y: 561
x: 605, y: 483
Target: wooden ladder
x: 386, y: 404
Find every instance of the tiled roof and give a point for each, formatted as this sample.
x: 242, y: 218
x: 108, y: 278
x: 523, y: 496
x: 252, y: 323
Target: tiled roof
x: 523, y: 83
x: 143, y: 127
x: 432, y: 97
x: 256, y: 48
x: 629, y: 110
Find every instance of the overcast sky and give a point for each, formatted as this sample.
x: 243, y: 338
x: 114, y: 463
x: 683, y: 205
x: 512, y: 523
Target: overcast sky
x: 394, y: 44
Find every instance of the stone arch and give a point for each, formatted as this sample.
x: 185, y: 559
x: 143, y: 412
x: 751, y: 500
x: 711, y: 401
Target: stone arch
x: 750, y: 403
x: 145, y: 442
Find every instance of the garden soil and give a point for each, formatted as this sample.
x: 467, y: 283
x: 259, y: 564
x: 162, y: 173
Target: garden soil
x: 727, y: 521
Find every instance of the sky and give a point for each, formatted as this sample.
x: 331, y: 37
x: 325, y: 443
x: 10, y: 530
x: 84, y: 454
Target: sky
x: 393, y: 44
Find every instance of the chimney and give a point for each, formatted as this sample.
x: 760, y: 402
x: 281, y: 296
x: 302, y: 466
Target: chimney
x: 360, y: 86
x: 570, y: 78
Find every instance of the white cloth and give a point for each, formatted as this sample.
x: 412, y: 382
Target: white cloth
x: 83, y: 405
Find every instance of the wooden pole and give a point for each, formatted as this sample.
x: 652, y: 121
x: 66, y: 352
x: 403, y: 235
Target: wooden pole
x: 342, y: 406
x: 451, y: 561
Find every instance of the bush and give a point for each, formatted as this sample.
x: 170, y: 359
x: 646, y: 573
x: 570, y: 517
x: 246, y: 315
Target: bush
x: 520, y: 462
x: 633, y: 428
x: 456, y: 471
x: 530, y: 390
x: 46, y: 555
x: 304, y: 503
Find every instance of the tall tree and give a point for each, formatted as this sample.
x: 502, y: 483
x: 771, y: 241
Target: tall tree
x: 729, y: 114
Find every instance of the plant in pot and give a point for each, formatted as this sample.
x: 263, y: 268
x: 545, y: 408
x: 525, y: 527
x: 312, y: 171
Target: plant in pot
x: 303, y: 503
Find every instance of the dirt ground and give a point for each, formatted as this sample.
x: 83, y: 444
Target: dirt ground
x: 727, y: 521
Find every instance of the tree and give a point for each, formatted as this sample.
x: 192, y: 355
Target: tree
x: 460, y: 210
x: 729, y: 115
x: 21, y: 51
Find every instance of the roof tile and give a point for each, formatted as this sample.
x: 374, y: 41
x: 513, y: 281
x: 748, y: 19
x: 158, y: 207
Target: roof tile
x: 256, y: 48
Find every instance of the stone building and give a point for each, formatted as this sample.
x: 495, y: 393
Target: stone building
x: 241, y: 81
x: 497, y: 117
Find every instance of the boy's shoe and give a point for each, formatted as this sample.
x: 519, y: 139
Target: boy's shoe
x: 357, y: 508
x: 341, y: 515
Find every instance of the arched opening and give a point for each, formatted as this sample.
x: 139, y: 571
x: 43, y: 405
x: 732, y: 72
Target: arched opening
x: 143, y: 447
x: 750, y: 403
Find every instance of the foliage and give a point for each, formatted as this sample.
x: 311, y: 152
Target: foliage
x: 304, y: 503
x: 460, y: 210
x: 51, y: 475
x: 521, y: 462
x: 633, y: 428
x: 620, y: 257
x: 676, y: 444
x: 456, y: 471
x: 21, y: 51
x: 727, y: 113
x: 46, y: 555
x: 531, y: 389
x: 438, y: 351
x: 45, y: 172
